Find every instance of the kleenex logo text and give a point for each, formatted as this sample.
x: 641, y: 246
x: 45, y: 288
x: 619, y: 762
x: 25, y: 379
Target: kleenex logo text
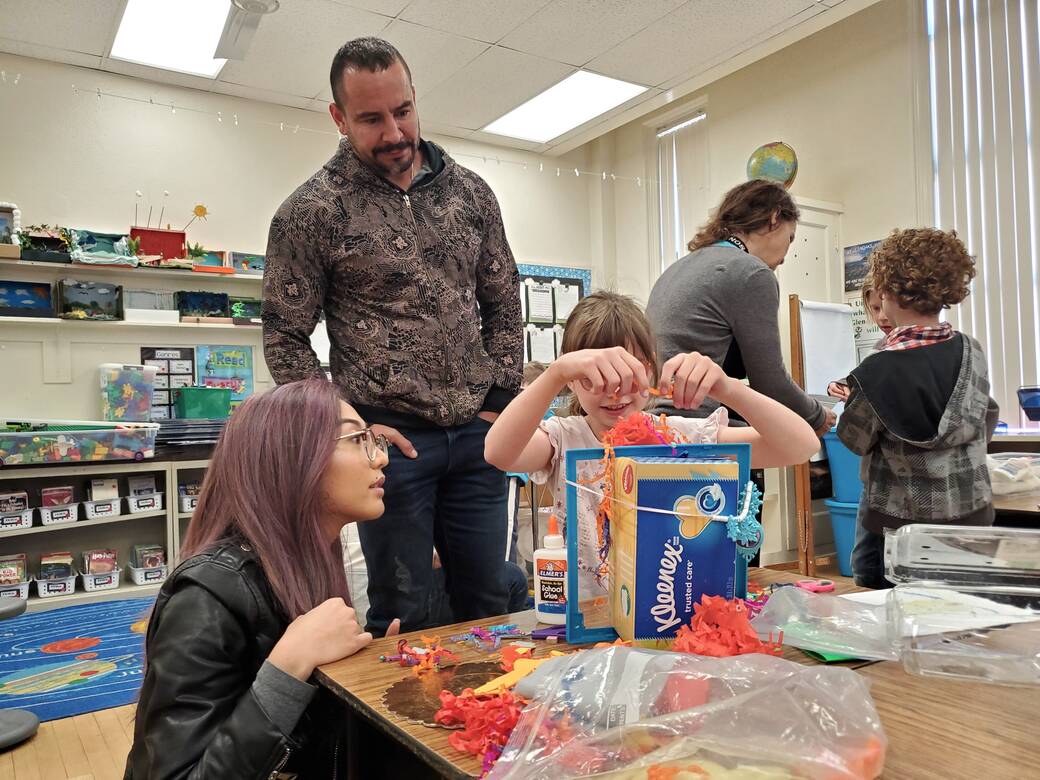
x: 664, y: 610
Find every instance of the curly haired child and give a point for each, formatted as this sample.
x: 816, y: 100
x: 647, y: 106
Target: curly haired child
x: 919, y: 411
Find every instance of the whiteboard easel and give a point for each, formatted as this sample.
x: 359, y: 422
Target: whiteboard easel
x: 823, y: 348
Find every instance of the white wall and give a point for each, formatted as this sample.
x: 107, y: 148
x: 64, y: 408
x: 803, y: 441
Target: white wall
x: 73, y: 160
x: 843, y: 98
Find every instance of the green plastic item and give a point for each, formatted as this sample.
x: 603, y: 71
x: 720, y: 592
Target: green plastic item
x: 202, y: 403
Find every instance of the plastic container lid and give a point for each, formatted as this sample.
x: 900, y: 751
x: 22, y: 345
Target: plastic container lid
x: 553, y: 539
x: 963, y: 555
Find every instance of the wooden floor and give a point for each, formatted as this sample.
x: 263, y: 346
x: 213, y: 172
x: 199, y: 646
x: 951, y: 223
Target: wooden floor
x: 84, y: 747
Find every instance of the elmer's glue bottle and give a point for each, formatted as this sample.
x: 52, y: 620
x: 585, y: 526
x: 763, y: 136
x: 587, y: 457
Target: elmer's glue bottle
x: 550, y: 577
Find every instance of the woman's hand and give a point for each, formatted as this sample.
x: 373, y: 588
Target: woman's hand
x: 838, y: 390
x: 610, y: 370
x: 693, y: 377
x: 327, y: 633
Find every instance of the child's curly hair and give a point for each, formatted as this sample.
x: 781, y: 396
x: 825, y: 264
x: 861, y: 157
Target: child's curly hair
x: 924, y: 269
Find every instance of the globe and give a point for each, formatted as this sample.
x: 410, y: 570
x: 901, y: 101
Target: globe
x: 775, y: 162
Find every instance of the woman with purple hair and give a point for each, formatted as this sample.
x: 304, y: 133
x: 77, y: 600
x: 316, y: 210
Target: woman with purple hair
x: 260, y: 598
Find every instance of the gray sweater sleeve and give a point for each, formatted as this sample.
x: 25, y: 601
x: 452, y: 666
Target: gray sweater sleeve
x: 282, y: 696
x: 757, y: 330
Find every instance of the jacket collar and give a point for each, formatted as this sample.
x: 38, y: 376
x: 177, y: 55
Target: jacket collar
x: 346, y: 166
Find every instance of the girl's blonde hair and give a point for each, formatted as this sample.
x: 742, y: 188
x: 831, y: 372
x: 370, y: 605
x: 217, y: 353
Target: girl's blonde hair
x: 607, y: 319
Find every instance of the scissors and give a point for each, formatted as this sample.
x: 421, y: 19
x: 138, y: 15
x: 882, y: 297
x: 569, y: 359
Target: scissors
x: 816, y: 586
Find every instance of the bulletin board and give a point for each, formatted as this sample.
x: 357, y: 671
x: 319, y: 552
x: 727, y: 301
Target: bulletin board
x: 547, y: 295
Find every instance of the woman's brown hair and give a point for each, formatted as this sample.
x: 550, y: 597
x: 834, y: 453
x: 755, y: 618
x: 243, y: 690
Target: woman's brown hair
x: 607, y: 319
x: 747, y: 208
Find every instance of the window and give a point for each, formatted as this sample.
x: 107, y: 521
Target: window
x: 984, y: 77
x: 682, y: 176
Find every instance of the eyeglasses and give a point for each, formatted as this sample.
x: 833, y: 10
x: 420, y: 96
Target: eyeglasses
x: 374, y: 444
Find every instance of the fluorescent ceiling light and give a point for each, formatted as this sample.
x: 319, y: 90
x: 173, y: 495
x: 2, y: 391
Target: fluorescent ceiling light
x: 574, y: 101
x: 178, y: 35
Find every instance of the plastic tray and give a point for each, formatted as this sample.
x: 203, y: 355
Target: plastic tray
x: 59, y: 515
x: 14, y: 520
x: 151, y: 502
x: 27, y: 441
x: 963, y: 555
x: 188, y: 503
x: 146, y: 576
x: 104, y: 507
x: 19, y: 591
x: 105, y: 581
x: 45, y: 589
x: 989, y: 633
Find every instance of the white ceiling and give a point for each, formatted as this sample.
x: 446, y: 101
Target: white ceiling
x: 472, y: 60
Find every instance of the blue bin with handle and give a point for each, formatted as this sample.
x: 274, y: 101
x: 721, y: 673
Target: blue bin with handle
x: 843, y: 522
x: 844, y: 469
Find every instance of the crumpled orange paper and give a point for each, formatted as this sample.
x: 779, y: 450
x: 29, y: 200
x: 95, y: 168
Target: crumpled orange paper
x: 720, y: 627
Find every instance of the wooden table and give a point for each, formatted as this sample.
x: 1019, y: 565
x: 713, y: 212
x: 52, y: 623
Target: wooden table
x: 942, y: 729
x: 935, y: 727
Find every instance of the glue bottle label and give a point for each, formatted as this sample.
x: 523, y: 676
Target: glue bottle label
x: 552, y: 585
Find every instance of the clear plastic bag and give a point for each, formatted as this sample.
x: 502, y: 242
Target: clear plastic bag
x: 635, y: 714
x: 828, y: 624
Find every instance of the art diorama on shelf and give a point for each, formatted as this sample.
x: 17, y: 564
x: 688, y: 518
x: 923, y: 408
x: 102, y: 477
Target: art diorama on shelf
x: 89, y: 300
x: 26, y: 299
x: 46, y: 244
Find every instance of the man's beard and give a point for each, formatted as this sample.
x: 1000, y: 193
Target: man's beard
x: 394, y: 167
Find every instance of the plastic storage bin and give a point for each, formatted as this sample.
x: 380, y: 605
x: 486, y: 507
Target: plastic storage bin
x: 126, y: 392
x: 844, y: 469
x: 103, y: 507
x: 152, y: 502
x: 146, y: 576
x: 56, y: 515
x: 843, y: 522
x: 202, y: 403
x: 14, y: 520
x: 188, y: 503
x: 106, y: 581
x: 968, y: 601
x: 17, y: 591
x: 25, y: 442
x: 45, y: 589
x: 1029, y: 400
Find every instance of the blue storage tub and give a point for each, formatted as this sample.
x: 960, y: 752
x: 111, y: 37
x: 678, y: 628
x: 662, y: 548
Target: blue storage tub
x: 844, y: 469
x: 1029, y: 400
x: 843, y: 522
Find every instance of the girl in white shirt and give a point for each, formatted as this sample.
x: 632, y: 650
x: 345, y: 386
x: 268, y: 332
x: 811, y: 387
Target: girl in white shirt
x: 607, y: 360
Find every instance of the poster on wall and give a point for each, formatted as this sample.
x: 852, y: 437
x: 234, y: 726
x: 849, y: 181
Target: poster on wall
x: 226, y: 366
x: 856, y: 264
x: 864, y: 330
x: 176, y: 368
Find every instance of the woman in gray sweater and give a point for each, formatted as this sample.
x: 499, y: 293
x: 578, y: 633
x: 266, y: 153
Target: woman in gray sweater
x: 722, y: 299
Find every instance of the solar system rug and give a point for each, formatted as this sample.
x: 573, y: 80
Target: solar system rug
x: 72, y: 660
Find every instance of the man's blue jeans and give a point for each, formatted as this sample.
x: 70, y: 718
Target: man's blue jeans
x: 449, y: 497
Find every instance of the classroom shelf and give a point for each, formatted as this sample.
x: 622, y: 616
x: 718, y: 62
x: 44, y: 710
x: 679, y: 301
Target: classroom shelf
x: 125, y: 324
x: 184, y: 515
x: 40, y: 529
x: 67, y: 269
x: 126, y: 590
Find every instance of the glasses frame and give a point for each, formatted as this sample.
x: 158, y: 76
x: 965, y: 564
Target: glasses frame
x: 374, y: 444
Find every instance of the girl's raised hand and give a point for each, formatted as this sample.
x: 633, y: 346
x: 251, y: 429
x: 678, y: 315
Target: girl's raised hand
x: 693, y: 377
x: 610, y: 370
